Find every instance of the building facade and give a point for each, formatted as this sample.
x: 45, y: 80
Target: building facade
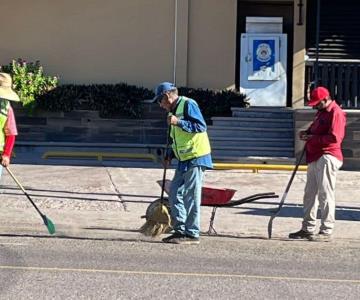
x: 193, y: 42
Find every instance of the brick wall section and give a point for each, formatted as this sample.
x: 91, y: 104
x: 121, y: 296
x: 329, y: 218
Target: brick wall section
x: 87, y: 127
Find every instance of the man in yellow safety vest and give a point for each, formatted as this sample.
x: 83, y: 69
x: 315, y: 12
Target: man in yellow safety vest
x: 190, y: 146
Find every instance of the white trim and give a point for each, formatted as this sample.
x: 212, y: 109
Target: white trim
x: 334, y: 60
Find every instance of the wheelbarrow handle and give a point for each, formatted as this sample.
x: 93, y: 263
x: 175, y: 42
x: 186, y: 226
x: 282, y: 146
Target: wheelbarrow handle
x: 249, y: 199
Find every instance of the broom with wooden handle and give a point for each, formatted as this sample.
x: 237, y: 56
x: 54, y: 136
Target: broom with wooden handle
x: 47, y: 222
x: 159, y: 220
x: 282, y: 201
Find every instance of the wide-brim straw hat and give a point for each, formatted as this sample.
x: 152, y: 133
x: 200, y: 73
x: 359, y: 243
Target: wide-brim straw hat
x: 6, y: 91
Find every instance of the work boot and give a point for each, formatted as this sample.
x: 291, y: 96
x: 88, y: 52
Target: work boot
x: 179, y: 238
x: 301, y: 235
x: 191, y: 240
x: 322, y: 237
x: 175, y: 238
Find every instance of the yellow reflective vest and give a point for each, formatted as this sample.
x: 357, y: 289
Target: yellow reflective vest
x: 188, y: 145
x: 4, y: 109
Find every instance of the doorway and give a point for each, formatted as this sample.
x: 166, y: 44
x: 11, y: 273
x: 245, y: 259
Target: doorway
x: 282, y: 9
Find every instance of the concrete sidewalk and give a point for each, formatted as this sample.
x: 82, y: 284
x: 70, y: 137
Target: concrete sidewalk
x: 107, y: 201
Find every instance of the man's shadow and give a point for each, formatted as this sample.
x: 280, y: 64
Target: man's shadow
x: 346, y: 213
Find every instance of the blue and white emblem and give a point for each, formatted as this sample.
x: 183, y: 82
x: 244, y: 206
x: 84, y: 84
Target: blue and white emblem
x: 263, y: 52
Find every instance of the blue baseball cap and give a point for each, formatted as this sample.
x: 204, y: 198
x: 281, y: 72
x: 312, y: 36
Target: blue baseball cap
x: 161, y: 89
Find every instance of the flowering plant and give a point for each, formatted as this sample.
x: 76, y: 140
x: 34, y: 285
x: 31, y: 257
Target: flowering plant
x: 29, y: 81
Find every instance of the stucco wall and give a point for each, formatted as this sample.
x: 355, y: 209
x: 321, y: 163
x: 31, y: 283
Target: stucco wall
x: 92, y: 41
x: 109, y: 41
x: 212, y: 43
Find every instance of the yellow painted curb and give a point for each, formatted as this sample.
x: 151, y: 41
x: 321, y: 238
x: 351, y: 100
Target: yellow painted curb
x: 256, y: 167
x: 98, y: 155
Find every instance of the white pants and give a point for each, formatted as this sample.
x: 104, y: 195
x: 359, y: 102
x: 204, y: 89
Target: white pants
x: 320, y: 182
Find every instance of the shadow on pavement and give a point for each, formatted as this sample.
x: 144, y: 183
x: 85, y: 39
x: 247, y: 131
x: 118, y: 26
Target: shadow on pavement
x: 69, y: 237
x: 342, y: 213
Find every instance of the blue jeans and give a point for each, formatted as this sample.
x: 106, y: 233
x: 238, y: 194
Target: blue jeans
x: 185, y: 200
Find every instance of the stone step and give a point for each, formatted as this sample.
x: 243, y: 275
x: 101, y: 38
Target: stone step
x: 253, y: 142
x: 244, y: 153
x: 252, y: 122
x: 256, y: 132
x: 85, y: 121
x: 130, y: 130
x: 244, y: 147
x: 255, y: 159
x: 59, y: 126
x: 262, y: 113
x: 153, y: 110
x: 68, y: 134
x: 253, y: 151
x: 146, y: 123
x: 280, y: 109
x: 88, y: 145
x: 263, y: 132
x: 104, y: 138
x: 33, y: 136
x: 78, y: 114
x: 25, y: 120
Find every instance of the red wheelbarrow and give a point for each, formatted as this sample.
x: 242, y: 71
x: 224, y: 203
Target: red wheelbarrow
x: 215, y: 197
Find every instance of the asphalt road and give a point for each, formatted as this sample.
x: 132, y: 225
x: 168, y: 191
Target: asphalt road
x: 219, y: 268
x: 97, y: 252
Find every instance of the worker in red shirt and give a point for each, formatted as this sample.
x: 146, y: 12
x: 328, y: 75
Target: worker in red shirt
x: 324, y: 157
x: 8, y: 129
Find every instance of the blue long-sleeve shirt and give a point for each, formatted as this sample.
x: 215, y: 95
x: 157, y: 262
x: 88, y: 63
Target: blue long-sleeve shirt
x: 193, y: 122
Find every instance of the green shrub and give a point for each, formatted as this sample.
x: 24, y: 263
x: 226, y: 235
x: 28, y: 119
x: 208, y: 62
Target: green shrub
x: 29, y: 81
x: 123, y: 100
x: 215, y: 103
x: 111, y: 100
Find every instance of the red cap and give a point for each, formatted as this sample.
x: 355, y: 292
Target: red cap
x: 317, y: 95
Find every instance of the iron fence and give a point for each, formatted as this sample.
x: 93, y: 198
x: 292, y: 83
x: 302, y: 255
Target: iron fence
x: 341, y: 77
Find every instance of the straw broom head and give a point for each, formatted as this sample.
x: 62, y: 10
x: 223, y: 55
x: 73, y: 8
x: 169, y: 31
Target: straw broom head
x: 158, y: 221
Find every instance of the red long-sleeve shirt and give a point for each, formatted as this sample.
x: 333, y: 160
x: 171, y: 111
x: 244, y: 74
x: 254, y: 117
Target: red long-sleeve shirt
x: 328, y: 130
x: 9, y: 145
x: 10, y: 132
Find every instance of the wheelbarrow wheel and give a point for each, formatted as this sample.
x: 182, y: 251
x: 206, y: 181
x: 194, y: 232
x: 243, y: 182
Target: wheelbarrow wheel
x: 153, y: 205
